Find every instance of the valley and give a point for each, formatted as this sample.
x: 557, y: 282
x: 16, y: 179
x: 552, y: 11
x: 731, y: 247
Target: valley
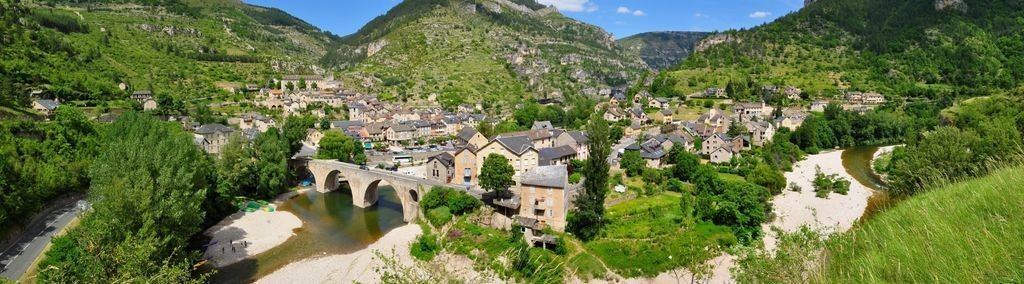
x: 511, y: 141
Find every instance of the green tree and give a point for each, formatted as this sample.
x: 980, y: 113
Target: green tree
x: 633, y: 163
x: 617, y: 133
x: 686, y: 163
x: 768, y: 177
x: 295, y: 131
x: 148, y: 187
x: 302, y: 83
x: 496, y: 174
x: 736, y: 129
x: 587, y: 218
x: 290, y: 86
x: 272, y: 163
x: 335, y: 146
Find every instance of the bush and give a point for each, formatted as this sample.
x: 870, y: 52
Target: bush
x: 825, y: 184
x: 439, y: 216
x: 457, y: 202
x: 575, y: 178
x: 425, y: 247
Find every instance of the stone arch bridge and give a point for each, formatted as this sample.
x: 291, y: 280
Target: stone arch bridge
x: 364, y: 182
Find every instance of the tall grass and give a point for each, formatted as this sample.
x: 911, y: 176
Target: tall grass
x: 968, y: 232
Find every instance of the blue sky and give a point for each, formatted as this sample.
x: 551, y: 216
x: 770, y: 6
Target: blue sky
x: 620, y: 17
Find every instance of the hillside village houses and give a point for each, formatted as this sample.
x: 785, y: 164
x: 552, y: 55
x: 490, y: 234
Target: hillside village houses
x: 145, y: 99
x: 46, y: 107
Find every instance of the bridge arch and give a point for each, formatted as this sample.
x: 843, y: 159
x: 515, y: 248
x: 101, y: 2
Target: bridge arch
x: 364, y: 183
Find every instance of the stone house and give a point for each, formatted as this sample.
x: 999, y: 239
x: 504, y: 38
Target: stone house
x: 313, y: 137
x: 761, y: 132
x: 440, y: 168
x: 661, y: 103
x: 47, y: 107
x: 561, y: 155
x: 614, y: 114
x: 721, y: 155
x: 518, y: 149
x: 545, y: 198
x: 400, y: 133
x: 575, y: 139
x: 214, y: 137
x: 469, y: 136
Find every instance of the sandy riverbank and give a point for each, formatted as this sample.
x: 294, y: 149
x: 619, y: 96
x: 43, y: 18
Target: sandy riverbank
x: 243, y: 234
x: 837, y: 213
x: 356, y: 267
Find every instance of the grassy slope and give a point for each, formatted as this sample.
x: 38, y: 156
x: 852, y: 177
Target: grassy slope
x: 642, y: 234
x: 969, y: 232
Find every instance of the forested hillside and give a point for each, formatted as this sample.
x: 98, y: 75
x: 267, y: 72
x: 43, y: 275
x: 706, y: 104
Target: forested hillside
x: 86, y: 50
x: 480, y: 51
x: 913, y: 48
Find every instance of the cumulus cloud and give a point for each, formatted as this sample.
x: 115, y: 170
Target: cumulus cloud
x: 571, y: 5
x: 627, y: 11
x: 760, y: 14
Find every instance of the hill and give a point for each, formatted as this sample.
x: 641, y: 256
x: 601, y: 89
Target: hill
x: 662, y: 50
x: 912, y: 48
x: 90, y: 50
x: 480, y: 51
x: 967, y: 232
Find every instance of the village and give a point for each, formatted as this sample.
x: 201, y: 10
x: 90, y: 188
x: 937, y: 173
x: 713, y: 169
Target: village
x: 446, y: 147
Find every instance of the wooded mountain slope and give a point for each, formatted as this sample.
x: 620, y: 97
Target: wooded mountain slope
x: 480, y: 50
x: 913, y: 47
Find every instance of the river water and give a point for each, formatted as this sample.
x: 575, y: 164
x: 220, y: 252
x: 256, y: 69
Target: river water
x: 330, y: 225
x: 857, y: 161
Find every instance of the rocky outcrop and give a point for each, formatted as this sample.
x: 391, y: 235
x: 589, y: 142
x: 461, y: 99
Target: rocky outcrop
x: 942, y: 5
x: 716, y: 40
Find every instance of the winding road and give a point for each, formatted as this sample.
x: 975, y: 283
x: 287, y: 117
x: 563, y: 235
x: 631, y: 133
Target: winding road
x: 17, y: 258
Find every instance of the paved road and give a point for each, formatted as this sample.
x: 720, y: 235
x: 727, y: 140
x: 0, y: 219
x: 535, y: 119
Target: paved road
x: 15, y: 260
x: 622, y: 144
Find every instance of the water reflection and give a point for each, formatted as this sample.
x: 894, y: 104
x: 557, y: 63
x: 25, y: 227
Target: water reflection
x: 331, y: 225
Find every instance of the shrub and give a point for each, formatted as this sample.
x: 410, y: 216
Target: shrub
x: 575, y: 178
x: 425, y: 247
x: 439, y: 216
x: 457, y: 202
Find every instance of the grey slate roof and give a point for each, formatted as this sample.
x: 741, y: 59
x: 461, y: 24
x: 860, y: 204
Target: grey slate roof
x: 48, y: 104
x: 404, y: 127
x: 548, y: 154
x: 579, y: 136
x: 466, y: 133
x: 214, y: 128
x: 446, y: 159
x: 547, y: 176
x: 517, y: 144
x: 345, y: 124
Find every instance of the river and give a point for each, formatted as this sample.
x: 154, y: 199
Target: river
x: 330, y: 225
x: 857, y: 162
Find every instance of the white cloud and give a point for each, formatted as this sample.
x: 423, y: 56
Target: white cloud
x: 639, y: 13
x: 627, y: 11
x: 700, y: 15
x: 623, y: 10
x: 760, y: 14
x: 571, y: 5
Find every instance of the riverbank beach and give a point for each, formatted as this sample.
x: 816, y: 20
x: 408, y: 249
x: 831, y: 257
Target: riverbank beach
x: 355, y: 267
x: 246, y: 234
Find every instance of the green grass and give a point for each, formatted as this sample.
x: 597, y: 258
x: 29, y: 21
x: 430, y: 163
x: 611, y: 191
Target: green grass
x: 968, y: 232
x: 586, y: 266
x: 642, y: 235
x: 731, y: 177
